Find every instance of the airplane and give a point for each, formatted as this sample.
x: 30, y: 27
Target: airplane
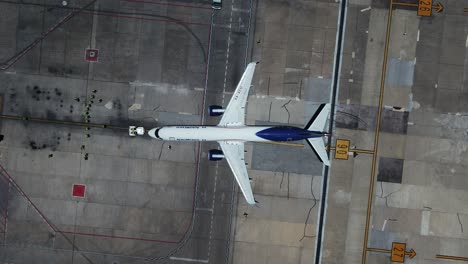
x: 231, y: 133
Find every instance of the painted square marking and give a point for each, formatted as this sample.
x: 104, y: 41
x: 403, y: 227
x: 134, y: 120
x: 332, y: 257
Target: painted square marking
x: 91, y: 55
x: 79, y: 190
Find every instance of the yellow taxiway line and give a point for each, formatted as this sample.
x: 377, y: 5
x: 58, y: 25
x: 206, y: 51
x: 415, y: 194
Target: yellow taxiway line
x: 283, y: 144
x: 365, y: 151
x: 451, y: 257
x: 376, y: 139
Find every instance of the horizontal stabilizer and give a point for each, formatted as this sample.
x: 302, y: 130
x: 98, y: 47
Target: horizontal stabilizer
x: 318, y: 147
x: 319, y: 119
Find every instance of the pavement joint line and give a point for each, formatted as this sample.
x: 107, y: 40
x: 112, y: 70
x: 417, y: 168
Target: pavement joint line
x: 376, y: 138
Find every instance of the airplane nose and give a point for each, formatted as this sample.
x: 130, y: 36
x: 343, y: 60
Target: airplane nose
x: 152, y: 133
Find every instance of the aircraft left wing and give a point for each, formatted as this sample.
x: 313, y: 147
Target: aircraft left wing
x: 234, y: 153
x: 234, y: 115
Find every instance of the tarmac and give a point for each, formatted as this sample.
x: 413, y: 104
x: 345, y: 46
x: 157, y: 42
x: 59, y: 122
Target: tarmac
x: 75, y: 77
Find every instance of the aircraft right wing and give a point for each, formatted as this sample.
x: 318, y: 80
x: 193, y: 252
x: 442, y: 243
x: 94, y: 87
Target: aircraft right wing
x: 234, y: 153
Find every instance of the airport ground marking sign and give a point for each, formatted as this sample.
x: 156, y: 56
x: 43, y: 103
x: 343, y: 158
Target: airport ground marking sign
x: 342, y: 149
x: 425, y: 7
x: 398, y: 252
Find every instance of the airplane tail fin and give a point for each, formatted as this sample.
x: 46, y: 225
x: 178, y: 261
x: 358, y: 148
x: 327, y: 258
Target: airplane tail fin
x: 317, y: 123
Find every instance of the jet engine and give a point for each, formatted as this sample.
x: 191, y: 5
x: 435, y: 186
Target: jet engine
x: 215, y: 155
x: 216, y: 110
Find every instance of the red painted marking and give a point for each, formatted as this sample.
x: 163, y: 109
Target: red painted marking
x: 147, y: 19
x: 91, y: 55
x: 18, y: 188
x: 197, y: 161
x: 79, y: 190
x: 121, y: 237
x: 167, y: 4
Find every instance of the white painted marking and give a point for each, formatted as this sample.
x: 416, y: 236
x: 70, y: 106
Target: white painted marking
x: 466, y: 44
x: 184, y: 113
x: 366, y: 9
x: 205, y: 209
x: 240, y: 10
x: 320, y: 77
x: 410, y: 123
x: 109, y: 105
x: 228, y: 50
x: 351, y: 72
x: 348, y: 101
x: 350, y: 80
x: 417, y: 36
x: 134, y: 107
x: 199, y: 89
x: 189, y: 259
x: 414, y: 60
x: 384, y: 224
x: 288, y: 70
x: 435, y: 86
x: 353, y: 54
x: 425, y: 219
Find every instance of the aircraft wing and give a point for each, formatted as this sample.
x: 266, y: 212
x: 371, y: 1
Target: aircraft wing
x: 234, y: 153
x: 234, y: 115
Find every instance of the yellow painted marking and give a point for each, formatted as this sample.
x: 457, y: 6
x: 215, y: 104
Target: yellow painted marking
x: 405, y: 4
x: 451, y: 257
x: 364, y: 151
x: 380, y: 250
x: 411, y: 253
x: 438, y: 7
x: 425, y: 8
x: 377, y: 130
x: 283, y: 143
x: 342, y: 149
x: 398, y: 252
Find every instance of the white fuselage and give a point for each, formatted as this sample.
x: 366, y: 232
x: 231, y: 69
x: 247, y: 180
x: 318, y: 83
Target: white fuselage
x: 207, y: 133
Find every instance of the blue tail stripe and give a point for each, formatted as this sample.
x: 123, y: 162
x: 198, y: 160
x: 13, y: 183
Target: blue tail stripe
x: 286, y: 133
